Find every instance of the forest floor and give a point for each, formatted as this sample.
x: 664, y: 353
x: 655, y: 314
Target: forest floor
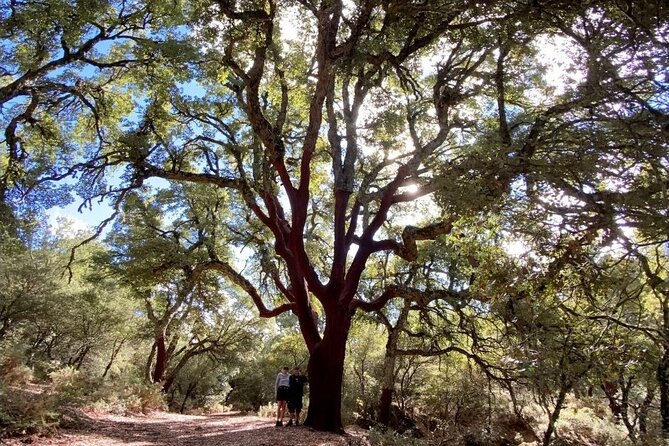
x: 169, y: 429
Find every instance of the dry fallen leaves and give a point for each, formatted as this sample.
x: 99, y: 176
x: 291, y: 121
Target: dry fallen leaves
x: 169, y: 429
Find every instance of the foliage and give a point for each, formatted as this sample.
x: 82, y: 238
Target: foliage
x: 25, y: 412
x: 127, y: 399
x: 390, y: 438
x: 381, y: 162
x: 363, y: 370
x: 252, y: 386
x: 578, y: 426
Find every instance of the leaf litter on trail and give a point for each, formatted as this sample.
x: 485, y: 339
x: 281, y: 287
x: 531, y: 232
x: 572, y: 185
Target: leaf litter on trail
x: 168, y: 429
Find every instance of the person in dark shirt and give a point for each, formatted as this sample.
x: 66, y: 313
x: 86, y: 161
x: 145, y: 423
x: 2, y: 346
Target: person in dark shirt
x: 296, y: 392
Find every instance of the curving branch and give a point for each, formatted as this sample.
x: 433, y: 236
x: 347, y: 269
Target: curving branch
x: 408, y: 248
x: 457, y: 298
x: 235, y: 277
x: 485, y: 366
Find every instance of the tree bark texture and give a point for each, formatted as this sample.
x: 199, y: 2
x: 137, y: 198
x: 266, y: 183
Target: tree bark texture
x: 161, y: 360
x: 325, y: 371
x: 663, y: 381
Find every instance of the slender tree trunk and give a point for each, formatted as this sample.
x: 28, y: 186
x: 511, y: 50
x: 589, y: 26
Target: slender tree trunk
x: 610, y: 389
x: 80, y: 359
x: 643, y: 415
x: 517, y: 408
x: 625, y: 387
x: 77, y: 360
x: 229, y: 394
x: 389, y: 362
x: 115, y: 351
x: 191, y: 387
x: 168, y: 380
x: 388, y: 382
x: 4, y: 328
x: 555, y: 415
x: 167, y: 383
x: 620, y: 410
x: 325, y: 370
x: 149, y: 361
x: 663, y: 381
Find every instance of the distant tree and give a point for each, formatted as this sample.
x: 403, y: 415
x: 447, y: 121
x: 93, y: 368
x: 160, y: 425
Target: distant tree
x: 81, y: 323
x: 162, y: 249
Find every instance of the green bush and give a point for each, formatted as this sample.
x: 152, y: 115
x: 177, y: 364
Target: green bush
x: 380, y: 437
x: 128, y: 399
x: 71, y: 387
x: 578, y: 426
x: 151, y: 397
x: 25, y: 408
x: 215, y: 404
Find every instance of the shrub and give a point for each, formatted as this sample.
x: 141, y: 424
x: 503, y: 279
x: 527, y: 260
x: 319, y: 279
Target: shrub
x: 268, y: 411
x: 582, y: 426
x: 71, y: 387
x: 13, y: 372
x: 215, y: 404
x: 26, y: 412
x: 380, y: 437
x: 25, y: 408
x: 128, y: 399
x: 151, y: 397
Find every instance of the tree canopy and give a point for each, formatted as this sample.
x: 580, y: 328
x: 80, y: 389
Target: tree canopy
x: 328, y: 137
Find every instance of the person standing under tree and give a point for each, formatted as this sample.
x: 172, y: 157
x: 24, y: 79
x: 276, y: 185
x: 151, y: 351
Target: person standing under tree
x: 297, y: 381
x: 282, y: 388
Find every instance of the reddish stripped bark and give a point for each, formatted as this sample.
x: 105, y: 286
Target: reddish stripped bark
x: 161, y: 359
x: 325, y: 370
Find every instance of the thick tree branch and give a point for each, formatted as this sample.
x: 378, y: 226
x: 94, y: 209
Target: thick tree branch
x: 231, y: 274
x: 422, y: 297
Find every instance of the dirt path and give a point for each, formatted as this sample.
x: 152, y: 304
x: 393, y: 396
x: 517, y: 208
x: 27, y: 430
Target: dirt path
x: 167, y: 429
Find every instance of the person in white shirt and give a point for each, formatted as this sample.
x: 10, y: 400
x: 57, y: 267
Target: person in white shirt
x: 282, y: 389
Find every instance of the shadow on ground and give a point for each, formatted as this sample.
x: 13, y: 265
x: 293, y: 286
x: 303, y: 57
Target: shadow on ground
x: 212, y: 430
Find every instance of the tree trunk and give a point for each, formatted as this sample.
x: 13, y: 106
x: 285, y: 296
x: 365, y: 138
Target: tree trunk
x: 389, y: 362
x: 325, y: 371
x: 167, y: 383
x: 643, y: 415
x: 663, y: 381
x: 556, y: 414
x: 161, y: 360
x: 78, y: 360
x: 625, y: 387
x: 388, y: 383
x: 115, y: 351
x: 191, y: 387
x: 149, y: 361
x: 517, y: 408
x: 610, y: 389
x: 385, y: 402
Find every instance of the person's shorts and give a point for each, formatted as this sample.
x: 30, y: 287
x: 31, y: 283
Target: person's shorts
x: 294, y: 404
x: 282, y: 393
